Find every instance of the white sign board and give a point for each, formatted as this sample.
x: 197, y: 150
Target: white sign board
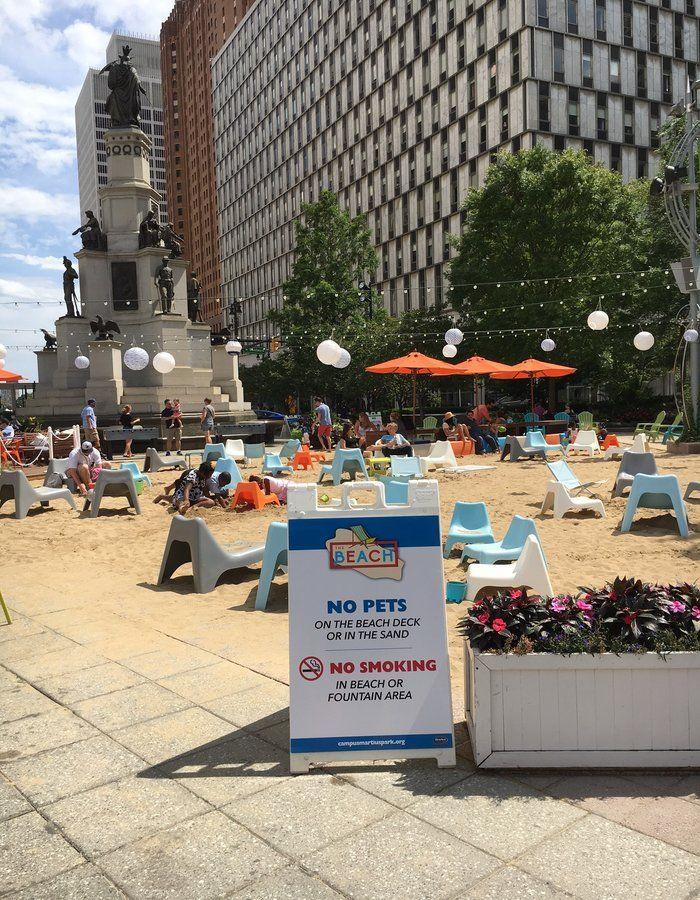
x: 369, y: 670
x: 376, y: 419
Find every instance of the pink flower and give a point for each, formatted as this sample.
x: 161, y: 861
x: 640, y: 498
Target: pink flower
x: 676, y: 606
x: 498, y: 625
x: 558, y: 605
x: 483, y: 618
x: 516, y: 595
x: 695, y: 612
x: 583, y: 605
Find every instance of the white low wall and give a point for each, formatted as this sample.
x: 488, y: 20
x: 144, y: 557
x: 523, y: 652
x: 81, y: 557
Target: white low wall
x: 544, y: 710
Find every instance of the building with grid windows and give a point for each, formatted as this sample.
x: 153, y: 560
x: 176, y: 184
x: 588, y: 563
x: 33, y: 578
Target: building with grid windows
x: 91, y: 120
x: 399, y: 107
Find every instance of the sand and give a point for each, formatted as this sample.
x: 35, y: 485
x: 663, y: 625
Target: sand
x: 63, y: 567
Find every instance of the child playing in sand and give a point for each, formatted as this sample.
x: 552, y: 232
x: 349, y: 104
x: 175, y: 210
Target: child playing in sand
x: 218, y: 488
x: 190, y: 489
x: 271, y: 485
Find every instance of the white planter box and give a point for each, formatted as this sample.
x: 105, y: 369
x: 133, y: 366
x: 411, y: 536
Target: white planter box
x: 587, y: 711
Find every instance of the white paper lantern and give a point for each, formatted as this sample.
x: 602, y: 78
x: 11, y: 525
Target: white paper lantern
x: 233, y: 348
x: 548, y: 345
x: 598, y: 320
x: 3, y: 351
x: 453, y: 336
x: 163, y: 362
x: 328, y: 352
x: 2, y: 363
x: 343, y: 360
x: 81, y: 362
x: 136, y: 358
x: 644, y: 340
x: 691, y: 335
x: 449, y: 351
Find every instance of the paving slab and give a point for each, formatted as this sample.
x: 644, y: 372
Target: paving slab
x: 400, y: 856
x: 289, y: 884
x: 229, y: 770
x: 254, y: 708
x: 58, y: 662
x: 72, y: 687
x: 22, y: 700
x: 170, y: 736
x: 305, y: 813
x: 68, y: 770
x: 595, y: 858
x: 110, y: 712
x: 8, y: 680
x: 688, y: 788
x: 496, y: 814
x: 20, y: 627
x: 25, y: 737
x: 211, y: 681
x: 12, y: 803
x: 609, y: 795
x: 24, y: 647
x: 158, y: 664
x: 85, y: 882
x: 670, y: 819
x: 32, y: 850
x: 209, y: 856
x: 512, y: 884
x: 111, y: 815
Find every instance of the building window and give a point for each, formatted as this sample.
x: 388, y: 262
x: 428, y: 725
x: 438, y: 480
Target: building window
x: 542, y: 14
x: 628, y: 120
x: 544, y: 117
x: 615, y: 70
x: 678, y: 42
x: 602, y: 116
x: 653, y: 29
x: 587, y: 64
x: 515, y: 59
x: 482, y: 128
x: 573, y: 111
x: 481, y: 31
x: 504, y: 116
x: 600, y: 20
x: 572, y: 16
x: 666, y: 80
x: 502, y: 19
x: 615, y: 157
x: 558, y: 56
x: 627, y: 25
x: 654, y: 124
x: 642, y: 163
x: 471, y: 87
x: 641, y: 74
x: 493, y: 73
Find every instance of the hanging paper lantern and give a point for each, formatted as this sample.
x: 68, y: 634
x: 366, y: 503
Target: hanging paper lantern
x: 163, y: 362
x: 548, y: 345
x: 343, y: 360
x: 136, y: 358
x: 449, y: 351
x: 233, y: 348
x: 598, y: 320
x: 3, y: 351
x: 644, y: 340
x: 691, y: 335
x: 81, y: 362
x: 2, y: 363
x: 453, y: 336
x: 328, y: 352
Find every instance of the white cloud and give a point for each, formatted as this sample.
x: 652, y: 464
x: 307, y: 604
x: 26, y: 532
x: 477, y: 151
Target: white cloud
x: 86, y: 44
x: 54, y: 263
x: 26, y: 204
x: 138, y: 16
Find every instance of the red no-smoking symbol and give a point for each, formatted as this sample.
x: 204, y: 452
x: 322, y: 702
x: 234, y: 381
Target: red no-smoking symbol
x: 311, y: 668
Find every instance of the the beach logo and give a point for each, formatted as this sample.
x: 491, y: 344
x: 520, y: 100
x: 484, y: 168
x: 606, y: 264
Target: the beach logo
x: 353, y: 548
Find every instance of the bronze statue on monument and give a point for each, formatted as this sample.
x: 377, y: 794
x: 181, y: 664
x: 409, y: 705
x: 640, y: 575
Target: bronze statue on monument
x: 70, y: 276
x: 125, y: 89
x: 166, y: 285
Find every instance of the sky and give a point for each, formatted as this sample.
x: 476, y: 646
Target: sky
x: 47, y: 48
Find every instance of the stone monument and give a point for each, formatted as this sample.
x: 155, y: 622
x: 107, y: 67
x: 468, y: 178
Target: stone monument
x: 125, y: 279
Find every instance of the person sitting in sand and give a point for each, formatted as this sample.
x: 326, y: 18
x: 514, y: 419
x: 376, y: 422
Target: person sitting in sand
x: 84, y: 465
x: 271, y: 485
x: 218, y: 488
x: 392, y: 443
x: 190, y: 489
x: 348, y: 439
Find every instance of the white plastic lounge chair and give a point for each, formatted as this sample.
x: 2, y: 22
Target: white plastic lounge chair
x: 190, y: 540
x: 529, y: 571
x: 519, y: 448
x: 586, y: 442
x: 559, y: 498
x: 692, y: 486
x: 15, y: 486
x: 154, y: 461
x: 561, y: 471
x: 640, y: 444
x: 441, y: 455
x: 235, y: 449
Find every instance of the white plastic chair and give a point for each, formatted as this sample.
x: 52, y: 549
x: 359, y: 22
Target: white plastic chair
x: 559, y: 498
x: 529, y: 570
x: 640, y: 444
x: 586, y: 441
x: 235, y: 449
x: 441, y: 454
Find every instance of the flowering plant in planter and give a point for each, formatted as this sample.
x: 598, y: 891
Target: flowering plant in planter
x: 626, y: 615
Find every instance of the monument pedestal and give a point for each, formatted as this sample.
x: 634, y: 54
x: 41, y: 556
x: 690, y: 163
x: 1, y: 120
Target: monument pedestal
x: 105, y: 383
x: 225, y: 375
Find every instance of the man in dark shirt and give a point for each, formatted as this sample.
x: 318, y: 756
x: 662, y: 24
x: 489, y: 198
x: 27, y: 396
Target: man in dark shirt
x: 166, y: 421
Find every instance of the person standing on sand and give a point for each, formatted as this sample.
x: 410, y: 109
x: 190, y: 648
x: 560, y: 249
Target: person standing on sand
x: 207, y: 420
x: 323, y: 422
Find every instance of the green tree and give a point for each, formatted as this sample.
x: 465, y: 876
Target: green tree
x: 566, y: 221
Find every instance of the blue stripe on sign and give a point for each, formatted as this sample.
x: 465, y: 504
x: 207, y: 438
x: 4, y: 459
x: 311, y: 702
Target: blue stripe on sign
x: 441, y: 741
x: 409, y: 531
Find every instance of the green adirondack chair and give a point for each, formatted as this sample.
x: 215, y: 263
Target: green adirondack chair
x: 428, y: 427
x: 585, y: 422
x: 673, y: 431
x: 646, y: 427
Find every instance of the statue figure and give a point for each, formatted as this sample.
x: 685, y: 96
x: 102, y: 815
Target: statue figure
x: 50, y: 341
x: 149, y: 231
x: 70, y: 276
x: 91, y: 233
x: 172, y: 241
x: 219, y: 338
x: 166, y: 286
x: 194, y: 291
x: 124, y: 100
x: 103, y: 330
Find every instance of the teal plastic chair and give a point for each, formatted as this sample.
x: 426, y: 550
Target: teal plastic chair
x: 290, y: 448
x: 531, y: 420
x: 656, y: 492
x: 455, y: 591
x: 213, y: 451
x: 470, y: 522
x: 276, y: 555
x: 350, y: 461
x: 226, y: 464
x: 273, y: 465
x: 562, y: 417
x: 406, y: 465
x: 536, y: 439
x: 254, y: 451
x: 508, y: 549
x: 136, y: 472
x: 395, y: 491
x: 501, y: 442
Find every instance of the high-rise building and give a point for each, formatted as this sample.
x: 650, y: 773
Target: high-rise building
x: 400, y: 107
x: 189, y: 38
x: 91, y: 120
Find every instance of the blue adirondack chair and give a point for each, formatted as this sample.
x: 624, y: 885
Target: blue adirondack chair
x: 254, y: 451
x: 562, y: 417
x: 536, y: 439
x: 656, y: 492
x: 470, y: 522
x: 290, y: 448
x: 213, y: 451
x: 531, y: 420
x: 136, y: 472
x: 225, y: 464
x: 350, y: 461
x: 406, y: 465
x: 273, y: 465
x: 395, y: 491
x: 508, y: 549
x: 276, y: 550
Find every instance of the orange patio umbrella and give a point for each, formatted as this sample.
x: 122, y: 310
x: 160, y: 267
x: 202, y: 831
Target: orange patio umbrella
x: 414, y: 363
x: 6, y: 376
x: 477, y: 365
x: 534, y: 368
